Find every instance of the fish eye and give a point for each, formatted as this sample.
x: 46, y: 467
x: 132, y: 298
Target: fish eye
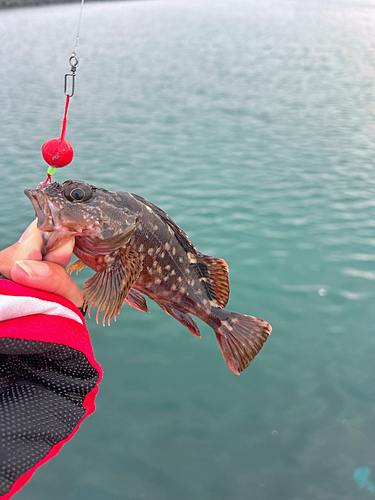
x: 77, y: 194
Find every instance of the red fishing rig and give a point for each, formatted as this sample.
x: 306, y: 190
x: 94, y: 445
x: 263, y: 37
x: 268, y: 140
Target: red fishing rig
x: 57, y: 152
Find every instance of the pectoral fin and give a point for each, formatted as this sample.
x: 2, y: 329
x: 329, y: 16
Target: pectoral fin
x: 104, y: 246
x: 108, y: 288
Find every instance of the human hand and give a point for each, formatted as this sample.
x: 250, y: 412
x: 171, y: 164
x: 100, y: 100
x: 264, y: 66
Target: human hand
x: 23, y: 263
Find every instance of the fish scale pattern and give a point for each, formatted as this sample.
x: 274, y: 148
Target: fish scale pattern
x: 42, y: 390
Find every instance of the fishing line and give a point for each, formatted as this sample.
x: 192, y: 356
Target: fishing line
x: 57, y: 152
x: 79, y: 26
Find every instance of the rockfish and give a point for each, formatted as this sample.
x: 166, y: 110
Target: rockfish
x: 135, y: 248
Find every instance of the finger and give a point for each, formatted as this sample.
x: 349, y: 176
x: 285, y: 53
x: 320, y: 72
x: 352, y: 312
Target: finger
x: 31, y: 247
x: 28, y: 231
x: 62, y: 254
x: 47, y: 276
x: 28, y: 249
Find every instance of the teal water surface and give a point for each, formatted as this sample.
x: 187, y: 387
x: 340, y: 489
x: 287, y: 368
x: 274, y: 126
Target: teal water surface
x: 252, y: 123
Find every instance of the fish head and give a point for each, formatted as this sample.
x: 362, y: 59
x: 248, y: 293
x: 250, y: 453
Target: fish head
x: 75, y: 208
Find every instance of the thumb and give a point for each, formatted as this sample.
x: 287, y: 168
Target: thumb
x: 47, y: 276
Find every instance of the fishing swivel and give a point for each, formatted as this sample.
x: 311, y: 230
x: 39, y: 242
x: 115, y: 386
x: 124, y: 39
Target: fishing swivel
x: 73, y: 59
x: 69, y: 89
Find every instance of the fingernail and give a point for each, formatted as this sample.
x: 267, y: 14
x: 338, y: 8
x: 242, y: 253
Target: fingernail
x: 33, y: 268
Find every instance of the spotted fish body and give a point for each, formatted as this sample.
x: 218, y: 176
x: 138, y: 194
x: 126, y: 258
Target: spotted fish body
x: 135, y: 249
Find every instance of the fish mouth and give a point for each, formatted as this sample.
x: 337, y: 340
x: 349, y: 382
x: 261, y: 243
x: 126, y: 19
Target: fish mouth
x: 43, y: 209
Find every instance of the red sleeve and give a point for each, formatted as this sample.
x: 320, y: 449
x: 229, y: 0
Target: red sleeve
x: 48, y: 380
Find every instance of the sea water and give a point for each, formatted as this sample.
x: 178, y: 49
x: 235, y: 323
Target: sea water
x: 252, y: 123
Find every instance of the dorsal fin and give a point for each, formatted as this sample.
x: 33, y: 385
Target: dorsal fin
x: 215, y: 277
x: 181, y: 236
x: 212, y: 272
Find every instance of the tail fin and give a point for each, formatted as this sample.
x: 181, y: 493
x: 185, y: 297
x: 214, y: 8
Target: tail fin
x: 240, y: 338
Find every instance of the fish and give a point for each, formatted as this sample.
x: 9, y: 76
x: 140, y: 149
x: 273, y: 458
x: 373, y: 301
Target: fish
x: 136, y: 250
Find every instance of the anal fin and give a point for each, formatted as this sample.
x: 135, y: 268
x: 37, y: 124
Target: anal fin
x: 181, y: 316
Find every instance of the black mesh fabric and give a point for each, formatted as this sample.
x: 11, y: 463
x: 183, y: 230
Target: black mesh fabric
x: 42, y: 388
